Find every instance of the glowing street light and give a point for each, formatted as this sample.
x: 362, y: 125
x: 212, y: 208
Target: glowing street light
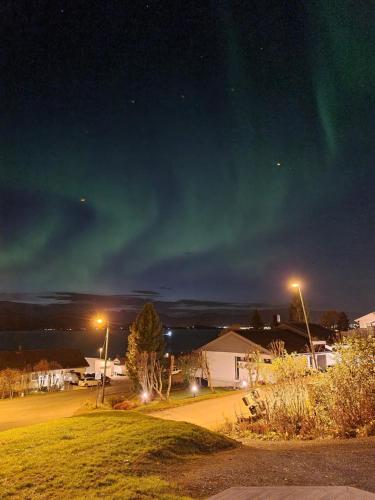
x: 298, y: 287
x: 100, y: 352
x: 194, y: 389
x: 101, y: 321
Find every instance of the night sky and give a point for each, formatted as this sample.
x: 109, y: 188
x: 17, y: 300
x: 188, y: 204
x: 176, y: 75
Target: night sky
x: 199, y: 149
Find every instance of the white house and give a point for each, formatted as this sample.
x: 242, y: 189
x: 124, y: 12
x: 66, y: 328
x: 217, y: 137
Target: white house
x: 228, y: 354
x: 367, y: 321
x: 227, y: 358
x: 96, y: 365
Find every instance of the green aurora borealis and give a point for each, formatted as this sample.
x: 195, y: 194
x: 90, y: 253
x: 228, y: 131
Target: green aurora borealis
x: 170, y: 120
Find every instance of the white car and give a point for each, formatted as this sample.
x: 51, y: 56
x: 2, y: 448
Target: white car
x: 89, y: 382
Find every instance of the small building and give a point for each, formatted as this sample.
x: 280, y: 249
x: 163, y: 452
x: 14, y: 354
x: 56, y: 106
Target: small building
x: 44, y: 368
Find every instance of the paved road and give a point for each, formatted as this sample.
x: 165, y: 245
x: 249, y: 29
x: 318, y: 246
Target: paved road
x: 211, y: 413
x: 43, y: 407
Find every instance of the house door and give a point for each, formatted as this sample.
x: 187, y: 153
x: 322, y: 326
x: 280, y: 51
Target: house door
x: 322, y: 361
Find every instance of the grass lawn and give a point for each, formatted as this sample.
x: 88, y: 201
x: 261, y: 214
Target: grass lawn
x: 110, y: 454
x: 180, y: 397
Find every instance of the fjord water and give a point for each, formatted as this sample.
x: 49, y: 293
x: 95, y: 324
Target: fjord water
x: 89, y: 341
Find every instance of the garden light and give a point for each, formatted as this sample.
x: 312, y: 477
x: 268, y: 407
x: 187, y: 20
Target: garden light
x: 194, y: 389
x: 244, y: 384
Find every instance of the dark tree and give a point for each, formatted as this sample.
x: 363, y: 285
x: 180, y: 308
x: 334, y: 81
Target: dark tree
x: 256, y: 320
x: 343, y: 322
x: 295, y: 309
x: 146, y: 335
x: 330, y: 319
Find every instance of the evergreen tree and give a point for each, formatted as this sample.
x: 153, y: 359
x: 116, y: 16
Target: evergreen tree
x: 330, y: 319
x: 343, y: 322
x: 295, y: 309
x: 146, y: 335
x: 256, y: 320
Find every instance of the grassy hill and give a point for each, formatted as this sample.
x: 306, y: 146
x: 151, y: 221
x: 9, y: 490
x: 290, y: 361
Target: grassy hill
x: 100, y: 455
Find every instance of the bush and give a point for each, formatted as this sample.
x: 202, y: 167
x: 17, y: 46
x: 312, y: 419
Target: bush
x: 338, y: 402
x: 344, y: 396
x: 125, y: 405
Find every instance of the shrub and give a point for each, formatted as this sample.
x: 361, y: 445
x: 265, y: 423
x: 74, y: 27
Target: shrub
x: 344, y: 397
x: 125, y: 405
x: 339, y: 402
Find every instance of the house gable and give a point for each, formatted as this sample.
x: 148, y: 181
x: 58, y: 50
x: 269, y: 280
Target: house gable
x: 233, y: 342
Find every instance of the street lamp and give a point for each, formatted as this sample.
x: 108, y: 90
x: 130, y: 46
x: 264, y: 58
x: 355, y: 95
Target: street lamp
x: 298, y: 287
x: 101, y: 321
x: 100, y: 352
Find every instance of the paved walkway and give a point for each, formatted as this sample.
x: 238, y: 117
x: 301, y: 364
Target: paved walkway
x: 211, y: 413
x: 294, y: 492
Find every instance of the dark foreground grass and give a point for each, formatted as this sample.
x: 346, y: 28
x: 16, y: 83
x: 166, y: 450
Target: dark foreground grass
x: 114, y: 455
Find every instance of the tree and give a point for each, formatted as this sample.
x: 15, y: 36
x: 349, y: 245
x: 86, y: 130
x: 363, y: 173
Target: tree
x: 343, y: 322
x: 295, y: 309
x: 205, y: 369
x: 256, y: 320
x: 330, y: 319
x: 10, y: 379
x: 170, y: 374
x: 146, y: 335
x: 189, y: 364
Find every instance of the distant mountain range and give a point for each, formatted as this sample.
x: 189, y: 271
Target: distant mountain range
x: 63, y: 310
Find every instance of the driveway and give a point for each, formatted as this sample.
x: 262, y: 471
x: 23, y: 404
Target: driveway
x: 329, y: 462
x: 211, y: 413
x: 39, y: 408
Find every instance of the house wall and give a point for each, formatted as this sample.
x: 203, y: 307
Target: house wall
x: 367, y: 320
x: 324, y: 359
x: 223, y: 368
x: 96, y: 365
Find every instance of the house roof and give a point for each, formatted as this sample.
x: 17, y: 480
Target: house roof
x: 293, y: 342
x: 233, y: 341
x: 26, y: 360
x: 371, y: 314
x: 318, y: 332
x: 294, y: 336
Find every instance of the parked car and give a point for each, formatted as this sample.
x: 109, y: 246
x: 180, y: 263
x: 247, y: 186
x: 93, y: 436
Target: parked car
x: 89, y: 381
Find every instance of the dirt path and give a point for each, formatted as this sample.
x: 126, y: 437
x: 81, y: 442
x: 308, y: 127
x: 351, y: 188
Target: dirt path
x: 336, y: 463
x: 211, y: 413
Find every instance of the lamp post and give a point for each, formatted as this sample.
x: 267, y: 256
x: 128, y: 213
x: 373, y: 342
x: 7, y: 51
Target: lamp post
x: 298, y: 286
x: 100, y: 321
x: 100, y: 352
